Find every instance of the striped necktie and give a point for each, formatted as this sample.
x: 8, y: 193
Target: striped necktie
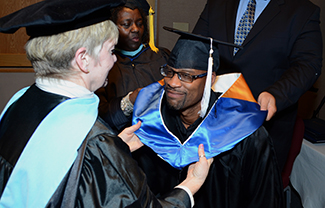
x: 245, y: 24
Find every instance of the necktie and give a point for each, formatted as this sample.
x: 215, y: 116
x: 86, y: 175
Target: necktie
x: 245, y: 24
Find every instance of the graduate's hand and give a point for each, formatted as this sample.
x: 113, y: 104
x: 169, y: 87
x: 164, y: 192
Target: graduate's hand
x: 197, y: 172
x: 267, y: 102
x: 129, y: 137
x: 134, y: 95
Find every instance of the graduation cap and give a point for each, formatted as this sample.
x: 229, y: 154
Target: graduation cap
x: 197, y: 52
x: 192, y: 51
x: 51, y: 17
x: 142, y: 4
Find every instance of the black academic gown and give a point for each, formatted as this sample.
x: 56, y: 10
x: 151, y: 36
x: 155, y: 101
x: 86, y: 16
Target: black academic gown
x: 103, y: 175
x: 245, y: 176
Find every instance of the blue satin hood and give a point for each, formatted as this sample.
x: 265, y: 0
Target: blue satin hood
x: 233, y: 117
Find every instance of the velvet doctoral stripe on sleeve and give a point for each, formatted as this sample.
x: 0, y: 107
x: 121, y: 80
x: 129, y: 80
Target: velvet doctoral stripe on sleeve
x: 37, y: 174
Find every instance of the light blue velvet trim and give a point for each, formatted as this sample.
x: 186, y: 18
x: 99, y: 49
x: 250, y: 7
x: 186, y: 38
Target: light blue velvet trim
x: 50, y: 153
x: 131, y: 53
x: 16, y: 96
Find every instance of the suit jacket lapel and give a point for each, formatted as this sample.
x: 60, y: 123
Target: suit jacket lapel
x: 271, y: 10
x: 231, y: 12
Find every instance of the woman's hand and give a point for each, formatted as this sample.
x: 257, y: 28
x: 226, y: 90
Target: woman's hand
x: 197, y: 172
x: 129, y: 137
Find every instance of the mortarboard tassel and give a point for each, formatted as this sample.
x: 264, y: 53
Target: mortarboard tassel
x: 207, y: 89
x: 151, y: 31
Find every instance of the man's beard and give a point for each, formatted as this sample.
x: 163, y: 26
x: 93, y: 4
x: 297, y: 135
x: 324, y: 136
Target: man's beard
x: 175, y: 106
x: 172, y: 105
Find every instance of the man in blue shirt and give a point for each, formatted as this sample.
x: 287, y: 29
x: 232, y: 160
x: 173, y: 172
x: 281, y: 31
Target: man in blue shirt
x: 280, y: 60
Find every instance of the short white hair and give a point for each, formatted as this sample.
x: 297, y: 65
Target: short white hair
x: 51, y: 56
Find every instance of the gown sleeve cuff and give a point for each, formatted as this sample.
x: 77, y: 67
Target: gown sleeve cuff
x: 188, y: 192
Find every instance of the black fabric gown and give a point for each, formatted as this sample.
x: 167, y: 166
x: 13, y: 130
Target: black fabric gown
x: 245, y: 176
x: 103, y: 175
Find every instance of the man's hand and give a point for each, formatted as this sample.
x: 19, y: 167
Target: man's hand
x: 129, y: 137
x: 267, y: 102
x: 134, y: 95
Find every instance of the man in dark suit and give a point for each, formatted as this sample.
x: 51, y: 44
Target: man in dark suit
x: 280, y: 60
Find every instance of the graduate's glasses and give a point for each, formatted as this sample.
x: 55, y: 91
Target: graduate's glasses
x: 167, y: 71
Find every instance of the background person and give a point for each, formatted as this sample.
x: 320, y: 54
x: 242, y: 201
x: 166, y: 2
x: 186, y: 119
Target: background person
x: 137, y: 64
x: 280, y: 60
x: 54, y: 150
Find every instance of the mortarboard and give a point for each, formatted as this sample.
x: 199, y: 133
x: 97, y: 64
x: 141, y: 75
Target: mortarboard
x: 197, y: 52
x: 142, y: 4
x: 51, y: 17
x: 192, y: 51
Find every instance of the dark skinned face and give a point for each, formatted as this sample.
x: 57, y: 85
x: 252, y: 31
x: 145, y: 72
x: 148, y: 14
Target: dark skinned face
x: 131, y: 29
x: 181, y: 95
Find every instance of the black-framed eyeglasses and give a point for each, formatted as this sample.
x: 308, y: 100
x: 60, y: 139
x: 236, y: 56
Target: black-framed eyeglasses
x: 167, y: 71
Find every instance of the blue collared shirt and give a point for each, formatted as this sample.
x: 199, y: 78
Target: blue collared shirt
x: 260, y: 6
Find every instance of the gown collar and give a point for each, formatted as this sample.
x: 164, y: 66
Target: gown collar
x: 63, y: 87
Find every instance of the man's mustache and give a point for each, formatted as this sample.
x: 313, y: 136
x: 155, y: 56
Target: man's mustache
x: 171, y: 89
